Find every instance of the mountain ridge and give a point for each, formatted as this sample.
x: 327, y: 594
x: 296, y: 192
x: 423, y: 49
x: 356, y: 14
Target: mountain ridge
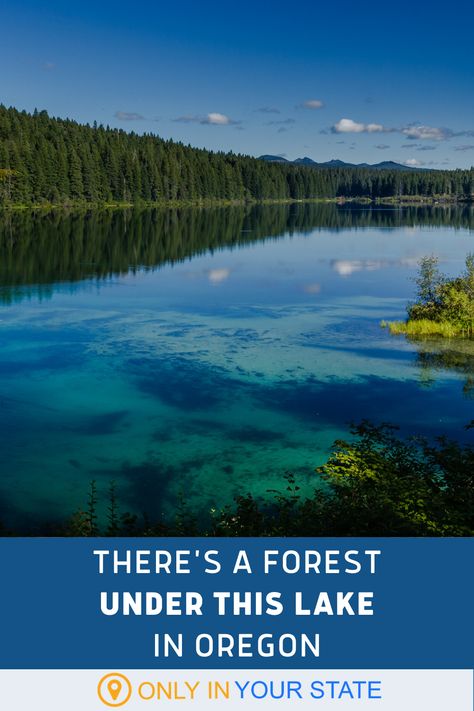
x: 336, y: 163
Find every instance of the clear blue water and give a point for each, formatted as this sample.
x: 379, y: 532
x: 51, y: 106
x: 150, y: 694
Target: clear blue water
x: 208, y: 352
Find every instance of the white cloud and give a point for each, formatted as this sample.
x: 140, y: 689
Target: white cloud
x: 312, y: 104
x: 312, y: 288
x: 128, y: 116
x: 217, y: 119
x: 213, y: 118
x: 346, y: 267
x: 287, y: 121
x: 283, y: 123
x: 347, y: 125
x: 429, y: 133
x: 267, y: 110
x: 216, y: 276
x: 188, y: 119
x: 417, y: 132
x: 414, y: 132
x: 411, y: 262
x: 413, y: 162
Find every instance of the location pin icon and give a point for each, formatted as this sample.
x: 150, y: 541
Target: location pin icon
x: 114, y: 687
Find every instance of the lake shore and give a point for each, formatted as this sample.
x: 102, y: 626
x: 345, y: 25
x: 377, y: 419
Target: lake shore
x: 401, y: 201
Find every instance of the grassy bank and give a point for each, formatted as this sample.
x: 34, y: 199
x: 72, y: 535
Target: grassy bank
x: 163, y: 204
x: 424, y: 200
x: 423, y: 328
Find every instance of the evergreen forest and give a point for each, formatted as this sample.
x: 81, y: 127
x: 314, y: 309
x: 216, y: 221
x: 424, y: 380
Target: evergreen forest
x: 45, y: 160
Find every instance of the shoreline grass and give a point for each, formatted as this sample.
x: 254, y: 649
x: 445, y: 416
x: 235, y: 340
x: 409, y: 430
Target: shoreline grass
x: 163, y: 204
x: 422, y: 328
x: 419, y: 200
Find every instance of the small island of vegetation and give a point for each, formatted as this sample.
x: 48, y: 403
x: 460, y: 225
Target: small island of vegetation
x: 443, y: 307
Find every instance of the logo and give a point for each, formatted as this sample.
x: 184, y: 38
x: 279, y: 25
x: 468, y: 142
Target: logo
x: 114, y: 690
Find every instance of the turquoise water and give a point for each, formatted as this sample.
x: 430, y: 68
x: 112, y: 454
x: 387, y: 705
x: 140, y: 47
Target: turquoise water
x: 210, y: 351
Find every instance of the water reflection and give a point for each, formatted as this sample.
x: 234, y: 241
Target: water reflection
x: 455, y: 355
x: 41, y: 249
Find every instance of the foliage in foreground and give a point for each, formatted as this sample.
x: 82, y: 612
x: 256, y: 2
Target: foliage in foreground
x: 444, y: 307
x: 375, y: 484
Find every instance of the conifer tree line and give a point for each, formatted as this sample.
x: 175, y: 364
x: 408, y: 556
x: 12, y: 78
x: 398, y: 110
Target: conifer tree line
x: 50, y: 160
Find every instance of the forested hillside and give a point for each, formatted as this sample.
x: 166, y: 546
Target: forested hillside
x: 49, y: 160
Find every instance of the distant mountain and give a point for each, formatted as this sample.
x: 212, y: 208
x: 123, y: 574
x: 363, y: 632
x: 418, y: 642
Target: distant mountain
x: 275, y: 159
x: 335, y: 163
x: 305, y: 161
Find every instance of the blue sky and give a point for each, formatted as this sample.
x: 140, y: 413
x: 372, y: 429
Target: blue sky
x: 360, y: 81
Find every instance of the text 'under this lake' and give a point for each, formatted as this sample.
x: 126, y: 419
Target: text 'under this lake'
x: 210, y: 351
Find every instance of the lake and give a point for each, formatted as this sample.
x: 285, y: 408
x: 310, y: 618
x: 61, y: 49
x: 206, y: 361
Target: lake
x: 206, y: 352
